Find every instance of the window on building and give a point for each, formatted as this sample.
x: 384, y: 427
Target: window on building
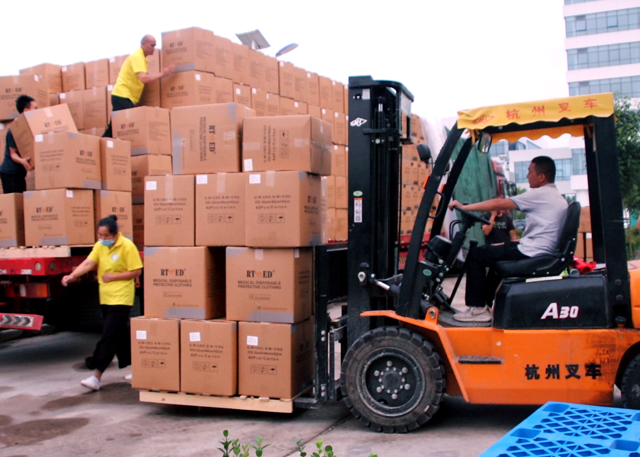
x: 628, y: 86
x: 579, y: 161
x: 498, y: 149
x: 604, y: 22
x: 571, y: 2
x: 522, y: 168
x: 563, y: 169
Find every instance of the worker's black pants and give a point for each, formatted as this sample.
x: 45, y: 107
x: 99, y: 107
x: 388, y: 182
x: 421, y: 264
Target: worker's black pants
x: 13, y: 184
x: 115, y: 341
x: 482, y: 284
x: 117, y: 104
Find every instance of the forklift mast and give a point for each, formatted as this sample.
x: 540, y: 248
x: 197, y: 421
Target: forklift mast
x: 380, y: 122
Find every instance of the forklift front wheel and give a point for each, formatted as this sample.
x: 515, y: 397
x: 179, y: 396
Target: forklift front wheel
x: 630, y: 386
x: 392, y: 379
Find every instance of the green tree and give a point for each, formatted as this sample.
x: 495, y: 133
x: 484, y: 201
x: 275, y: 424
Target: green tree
x: 628, y: 143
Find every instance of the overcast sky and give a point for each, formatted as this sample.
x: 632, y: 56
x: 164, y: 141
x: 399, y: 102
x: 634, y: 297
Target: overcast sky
x: 451, y: 55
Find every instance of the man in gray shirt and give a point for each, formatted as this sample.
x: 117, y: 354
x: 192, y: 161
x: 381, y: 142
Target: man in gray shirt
x: 545, y: 210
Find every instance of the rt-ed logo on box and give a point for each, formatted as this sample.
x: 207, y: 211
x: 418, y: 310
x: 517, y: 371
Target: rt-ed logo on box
x: 260, y: 274
x: 172, y: 271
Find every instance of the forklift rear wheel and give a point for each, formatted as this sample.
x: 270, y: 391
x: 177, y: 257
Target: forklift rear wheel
x: 630, y: 386
x: 392, y: 380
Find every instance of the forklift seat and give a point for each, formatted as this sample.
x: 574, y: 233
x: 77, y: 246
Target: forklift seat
x: 547, y: 265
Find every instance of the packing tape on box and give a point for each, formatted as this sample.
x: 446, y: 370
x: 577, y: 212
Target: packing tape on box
x: 48, y: 112
x: 230, y: 135
x: 301, y: 142
x: 222, y: 182
x: 296, y: 253
x: 258, y: 254
x: 251, y: 146
x: 271, y: 179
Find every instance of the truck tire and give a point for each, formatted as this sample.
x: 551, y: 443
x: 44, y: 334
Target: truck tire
x: 392, y: 379
x: 630, y: 386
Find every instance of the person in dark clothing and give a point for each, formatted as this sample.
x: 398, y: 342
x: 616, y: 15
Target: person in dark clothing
x: 500, y: 228
x: 14, y: 167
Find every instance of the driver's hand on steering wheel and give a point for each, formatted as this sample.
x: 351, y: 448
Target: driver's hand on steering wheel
x: 455, y: 203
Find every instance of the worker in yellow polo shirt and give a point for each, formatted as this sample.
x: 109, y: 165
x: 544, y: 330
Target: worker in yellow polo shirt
x: 119, y: 266
x: 134, y: 74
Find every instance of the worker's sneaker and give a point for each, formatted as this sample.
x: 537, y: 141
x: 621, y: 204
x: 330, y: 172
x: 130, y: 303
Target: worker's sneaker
x: 91, y: 382
x: 128, y: 377
x: 474, y: 314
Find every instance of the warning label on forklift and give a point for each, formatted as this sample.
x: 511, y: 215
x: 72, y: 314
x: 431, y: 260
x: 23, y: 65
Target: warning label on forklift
x: 357, y: 210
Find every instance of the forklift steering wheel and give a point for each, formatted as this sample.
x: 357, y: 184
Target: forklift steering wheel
x: 472, y: 216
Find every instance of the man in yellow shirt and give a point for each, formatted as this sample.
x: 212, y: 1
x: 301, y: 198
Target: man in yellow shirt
x: 134, y: 74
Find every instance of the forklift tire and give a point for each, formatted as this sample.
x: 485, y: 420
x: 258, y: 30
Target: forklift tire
x: 630, y: 386
x: 392, y: 379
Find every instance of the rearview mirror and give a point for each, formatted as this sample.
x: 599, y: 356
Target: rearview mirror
x: 509, y: 189
x: 484, y: 144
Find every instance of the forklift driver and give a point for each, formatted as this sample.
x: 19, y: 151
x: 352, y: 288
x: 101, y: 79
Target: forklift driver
x: 545, y: 210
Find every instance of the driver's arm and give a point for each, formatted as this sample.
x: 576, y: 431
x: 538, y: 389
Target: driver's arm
x: 494, y: 204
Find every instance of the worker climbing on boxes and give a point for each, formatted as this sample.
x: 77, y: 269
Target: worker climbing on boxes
x: 14, y: 167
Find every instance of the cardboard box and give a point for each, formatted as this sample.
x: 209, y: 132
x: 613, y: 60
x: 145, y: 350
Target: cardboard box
x: 93, y: 132
x: 330, y: 190
x: 223, y: 57
x: 41, y: 121
x: 242, y: 94
x: 409, y: 172
x: 54, y: 99
x: 169, y: 211
x: 59, y: 217
x: 338, y: 96
x: 339, y: 159
x: 11, y: 87
x: 184, y: 282
x: 151, y: 95
x: 154, y: 61
x: 269, y: 285
x: 275, y: 360
x: 265, y: 103
x: 301, y: 84
x: 75, y: 101
x: 208, y: 139
x: 107, y: 203
x: 256, y: 70
x: 11, y: 220
x: 138, y: 225
x: 283, y: 209
x: 115, y: 164
x: 326, y: 92
x: 96, y: 73
x: 585, y: 220
x: 189, y: 49
x: 155, y: 354
x: 73, y: 77
x: 315, y: 111
x: 4, y: 126
x: 286, y: 77
x: 271, y: 75
x: 342, y: 224
x: 346, y: 99
x: 340, y: 128
x: 67, y: 160
x: 327, y: 116
x: 188, y: 88
x: 147, y: 128
x: 240, y: 63
x: 94, y: 108
x: 146, y: 165
x: 407, y: 219
x: 115, y: 63
x: 50, y: 72
x: 223, y: 90
x: 313, y: 91
x: 209, y: 357
x: 287, y: 107
x: 423, y: 173
x: 410, y: 152
x: 220, y: 209
x: 301, y: 107
x: 330, y: 224
x: 296, y: 143
x: 342, y: 192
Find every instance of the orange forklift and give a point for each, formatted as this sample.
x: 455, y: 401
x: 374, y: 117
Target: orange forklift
x: 556, y: 335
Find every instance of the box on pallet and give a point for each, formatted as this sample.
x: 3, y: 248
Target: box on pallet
x: 339, y: 157
x: 95, y: 107
x: 287, y: 107
x: 146, y: 165
x: 326, y: 92
x: 342, y: 192
x: 292, y: 143
x: 275, y: 360
x: 330, y: 225
x: 155, y: 354
x: 67, y: 160
x: 220, y: 209
x: 256, y: 70
x: 342, y: 224
x: 138, y: 224
x: 286, y: 77
x: 188, y: 88
x: 115, y: 157
x: 222, y: 57
x: 184, y: 282
x: 330, y: 190
x: 11, y: 87
x: 11, y: 220
x: 269, y: 285
x: 51, y: 73
x: 75, y: 101
x: 338, y: 96
x: 115, y: 63
x: 283, y: 209
x: 301, y: 85
x: 313, y: 92
x: 223, y: 90
x: 73, y: 77
x: 189, y: 49
x: 147, y: 128
x: 240, y: 63
x: 107, y: 203
x: 59, y: 217
x: 271, y: 75
x: 96, y: 73
x: 264, y: 103
x: 209, y: 357
x: 208, y: 139
x: 242, y: 94
x: 169, y: 211
x: 151, y: 95
x: 340, y: 128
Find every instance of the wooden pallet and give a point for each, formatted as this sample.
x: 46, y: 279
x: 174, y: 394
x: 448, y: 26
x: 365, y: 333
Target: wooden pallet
x: 265, y: 404
x: 40, y: 251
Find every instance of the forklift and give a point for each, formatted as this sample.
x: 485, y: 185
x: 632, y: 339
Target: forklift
x: 554, y: 336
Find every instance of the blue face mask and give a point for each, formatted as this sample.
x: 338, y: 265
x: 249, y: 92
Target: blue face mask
x: 107, y: 243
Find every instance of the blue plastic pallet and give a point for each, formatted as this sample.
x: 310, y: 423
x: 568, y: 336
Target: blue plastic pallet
x: 569, y: 430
